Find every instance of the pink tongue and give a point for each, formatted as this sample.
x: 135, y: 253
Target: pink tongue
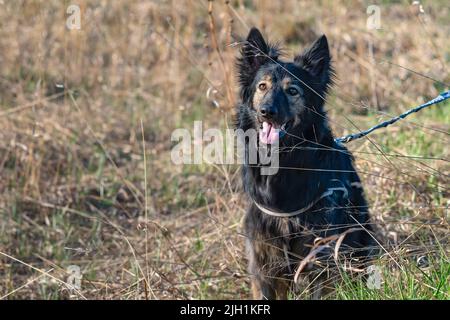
x: 268, y: 134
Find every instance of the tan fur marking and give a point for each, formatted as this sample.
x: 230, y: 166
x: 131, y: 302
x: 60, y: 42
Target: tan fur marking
x: 259, y: 95
x: 294, y: 102
x: 286, y: 82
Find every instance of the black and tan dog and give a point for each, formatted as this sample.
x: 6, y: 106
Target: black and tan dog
x: 316, y: 192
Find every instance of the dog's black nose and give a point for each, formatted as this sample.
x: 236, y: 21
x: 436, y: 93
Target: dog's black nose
x: 267, y: 111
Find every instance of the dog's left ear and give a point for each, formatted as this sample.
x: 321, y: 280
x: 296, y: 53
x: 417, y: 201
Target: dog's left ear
x: 317, y: 60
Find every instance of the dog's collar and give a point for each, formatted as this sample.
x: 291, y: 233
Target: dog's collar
x: 327, y: 193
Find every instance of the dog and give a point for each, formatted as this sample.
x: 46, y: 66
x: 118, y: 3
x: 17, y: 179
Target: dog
x: 316, y: 194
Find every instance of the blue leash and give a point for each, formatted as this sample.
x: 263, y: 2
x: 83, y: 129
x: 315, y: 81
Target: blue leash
x: 442, y: 97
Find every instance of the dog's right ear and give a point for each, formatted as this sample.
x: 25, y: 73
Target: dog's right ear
x: 254, y: 54
x: 317, y: 61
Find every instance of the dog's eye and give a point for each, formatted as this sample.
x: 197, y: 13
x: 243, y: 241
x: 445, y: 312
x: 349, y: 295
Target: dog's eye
x: 262, y: 86
x: 292, y: 91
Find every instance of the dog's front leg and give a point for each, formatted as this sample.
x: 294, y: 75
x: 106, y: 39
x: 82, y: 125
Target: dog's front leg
x: 262, y: 287
x: 262, y: 290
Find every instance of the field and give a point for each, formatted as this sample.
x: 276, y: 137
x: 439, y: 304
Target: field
x: 91, y: 205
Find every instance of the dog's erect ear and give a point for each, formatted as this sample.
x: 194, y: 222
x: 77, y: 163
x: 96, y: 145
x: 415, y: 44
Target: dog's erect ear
x: 255, y: 52
x: 255, y: 49
x: 317, y: 60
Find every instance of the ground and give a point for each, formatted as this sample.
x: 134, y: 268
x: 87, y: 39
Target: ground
x: 87, y: 185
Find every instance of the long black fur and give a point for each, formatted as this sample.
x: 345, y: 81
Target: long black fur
x: 315, y: 164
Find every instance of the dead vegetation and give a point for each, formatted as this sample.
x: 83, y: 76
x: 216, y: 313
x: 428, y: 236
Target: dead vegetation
x: 86, y: 117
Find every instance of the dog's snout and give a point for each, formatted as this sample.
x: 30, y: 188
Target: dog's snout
x: 267, y: 111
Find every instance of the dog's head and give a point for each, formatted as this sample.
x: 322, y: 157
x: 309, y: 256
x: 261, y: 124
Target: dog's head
x: 282, y: 96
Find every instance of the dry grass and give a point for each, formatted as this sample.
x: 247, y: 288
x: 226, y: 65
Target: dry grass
x: 76, y: 187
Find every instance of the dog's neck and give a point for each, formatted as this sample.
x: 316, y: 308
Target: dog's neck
x: 301, y: 153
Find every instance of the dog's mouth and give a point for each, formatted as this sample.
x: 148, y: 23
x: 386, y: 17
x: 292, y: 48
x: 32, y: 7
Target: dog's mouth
x: 271, y: 133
